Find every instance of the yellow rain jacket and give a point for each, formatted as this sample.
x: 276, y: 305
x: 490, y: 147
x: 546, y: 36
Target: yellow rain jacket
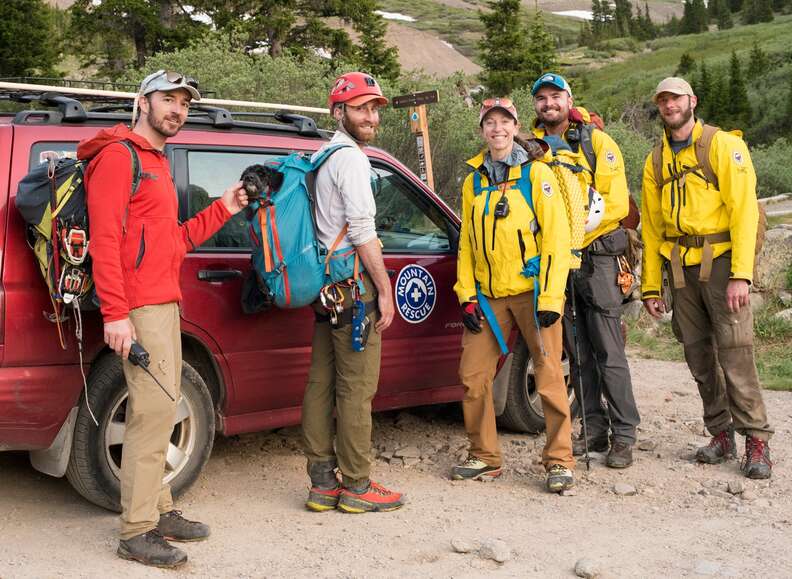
x: 695, y: 207
x: 493, y: 251
x: 609, y: 179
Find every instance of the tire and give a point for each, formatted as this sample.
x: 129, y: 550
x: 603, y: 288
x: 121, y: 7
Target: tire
x: 95, y: 461
x: 523, y: 411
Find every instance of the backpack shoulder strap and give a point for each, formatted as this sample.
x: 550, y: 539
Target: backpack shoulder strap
x: 587, y: 144
x: 703, y: 146
x: 657, y: 164
x: 319, y: 161
x: 524, y: 185
x: 476, y: 183
x: 137, y: 171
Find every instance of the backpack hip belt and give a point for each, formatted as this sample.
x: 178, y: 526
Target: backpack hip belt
x: 700, y: 241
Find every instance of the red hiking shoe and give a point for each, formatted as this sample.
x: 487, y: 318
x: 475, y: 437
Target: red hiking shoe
x: 375, y: 498
x: 323, y: 499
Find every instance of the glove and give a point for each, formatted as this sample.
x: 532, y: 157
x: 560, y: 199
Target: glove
x: 547, y: 319
x: 472, y: 316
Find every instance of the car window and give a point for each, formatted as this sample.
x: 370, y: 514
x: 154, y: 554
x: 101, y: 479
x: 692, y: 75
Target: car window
x: 407, y: 222
x: 43, y: 150
x: 209, y: 174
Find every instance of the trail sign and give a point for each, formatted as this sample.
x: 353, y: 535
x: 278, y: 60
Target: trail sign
x: 420, y: 127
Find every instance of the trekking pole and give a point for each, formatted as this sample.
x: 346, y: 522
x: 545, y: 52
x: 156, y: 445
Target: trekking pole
x: 579, y: 393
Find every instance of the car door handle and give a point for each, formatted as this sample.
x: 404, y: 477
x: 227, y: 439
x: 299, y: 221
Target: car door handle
x: 218, y: 274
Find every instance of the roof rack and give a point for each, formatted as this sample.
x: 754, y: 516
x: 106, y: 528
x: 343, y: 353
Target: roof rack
x: 71, y: 108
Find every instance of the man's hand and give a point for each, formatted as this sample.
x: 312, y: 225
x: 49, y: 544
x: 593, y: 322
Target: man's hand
x: 235, y: 198
x: 387, y: 311
x: 737, y: 294
x: 119, y: 336
x: 472, y: 316
x: 655, y: 307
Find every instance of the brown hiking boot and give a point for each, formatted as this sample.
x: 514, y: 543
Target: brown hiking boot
x: 173, y: 527
x: 595, y: 444
x: 721, y: 447
x: 151, y: 549
x: 756, y: 463
x: 620, y: 455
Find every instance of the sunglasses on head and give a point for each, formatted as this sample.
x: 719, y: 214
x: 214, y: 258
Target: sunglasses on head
x: 179, y: 78
x: 498, y: 102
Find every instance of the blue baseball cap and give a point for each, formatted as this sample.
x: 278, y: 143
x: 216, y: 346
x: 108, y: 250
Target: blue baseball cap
x: 551, y: 79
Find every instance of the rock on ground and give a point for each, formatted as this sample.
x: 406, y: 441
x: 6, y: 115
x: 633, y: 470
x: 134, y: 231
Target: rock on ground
x: 587, y: 568
x: 495, y: 549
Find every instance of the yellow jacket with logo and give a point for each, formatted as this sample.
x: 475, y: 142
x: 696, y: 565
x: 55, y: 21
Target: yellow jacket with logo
x: 609, y: 179
x: 493, y: 251
x: 698, y: 208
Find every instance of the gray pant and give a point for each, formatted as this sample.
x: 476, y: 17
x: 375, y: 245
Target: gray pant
x: 602, y: 359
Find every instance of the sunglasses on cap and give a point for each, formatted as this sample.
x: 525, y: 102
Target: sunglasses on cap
x: 498, y: 102
x: 179, y: 78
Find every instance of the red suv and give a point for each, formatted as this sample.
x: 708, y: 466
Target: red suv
x: 242, y: 373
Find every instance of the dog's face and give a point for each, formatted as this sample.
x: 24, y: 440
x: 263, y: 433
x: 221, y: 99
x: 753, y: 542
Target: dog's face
x: 260, y: 179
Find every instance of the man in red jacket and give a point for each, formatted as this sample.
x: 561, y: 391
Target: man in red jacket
x: 138, y: 246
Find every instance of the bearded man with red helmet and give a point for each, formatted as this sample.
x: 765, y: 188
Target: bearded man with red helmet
x: 336, y: 412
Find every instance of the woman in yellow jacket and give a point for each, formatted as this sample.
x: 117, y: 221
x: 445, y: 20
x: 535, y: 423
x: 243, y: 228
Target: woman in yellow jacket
x: 514, y: 252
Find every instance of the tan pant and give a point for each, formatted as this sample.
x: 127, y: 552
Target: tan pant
x: 480, y: 355
x: 343, y: 382
x: 718, y: 348
x: 149, y: 419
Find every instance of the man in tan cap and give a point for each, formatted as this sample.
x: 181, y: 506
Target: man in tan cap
x: 700, y: 217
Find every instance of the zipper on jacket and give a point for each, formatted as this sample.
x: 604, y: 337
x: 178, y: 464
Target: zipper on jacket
x: 547, y: 271
x: 484, y: 248
x: 522, y: 246
x: 142, y: 249
x: 494, y: 225
x: 473, y: 227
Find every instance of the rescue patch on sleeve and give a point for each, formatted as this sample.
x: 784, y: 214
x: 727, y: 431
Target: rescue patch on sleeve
x: 547, y: 189
x: 611, y: 157
x: 738, y: 157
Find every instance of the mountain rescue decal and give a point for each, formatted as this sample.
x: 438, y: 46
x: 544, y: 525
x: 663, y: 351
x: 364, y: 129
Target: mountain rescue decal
x: 415, y: 293
x: 547, y: 189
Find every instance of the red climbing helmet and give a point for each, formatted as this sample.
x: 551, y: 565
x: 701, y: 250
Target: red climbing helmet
x: 355, y: 89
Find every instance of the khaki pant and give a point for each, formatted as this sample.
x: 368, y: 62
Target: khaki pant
x: 149, y: 419
x: 480, y: 355
x: 718, y: 348
x: 345, y: 382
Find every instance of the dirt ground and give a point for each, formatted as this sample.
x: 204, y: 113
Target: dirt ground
x: 683, y: 521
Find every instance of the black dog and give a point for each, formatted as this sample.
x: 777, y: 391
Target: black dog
x: 260, y: 180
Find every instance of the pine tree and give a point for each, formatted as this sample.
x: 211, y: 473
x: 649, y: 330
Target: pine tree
x: 686, y: 64
x: 648, y: 28
x: 28, y: 42
x: 739, y: 108
x: 622, y: 16
x: 755, y: 11
x: 585, y: 37
x: 694, y: 17
x: 504, y: 48
x: 735, y: 5
x: 715, y: 112
x: 541, y: 48
x: 758, y: 63
x: 373, y: 54
x: 703, y: 88
x: 723, y: 15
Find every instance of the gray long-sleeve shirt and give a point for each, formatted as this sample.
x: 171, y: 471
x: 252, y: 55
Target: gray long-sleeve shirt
x: 343, y: 195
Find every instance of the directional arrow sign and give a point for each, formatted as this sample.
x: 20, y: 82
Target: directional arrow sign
x: 415, y: 99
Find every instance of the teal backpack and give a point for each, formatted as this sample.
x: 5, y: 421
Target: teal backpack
x: 290, y: 263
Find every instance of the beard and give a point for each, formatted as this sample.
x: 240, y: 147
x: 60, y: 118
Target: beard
x: 356, y: 132
x: 160, y: 125
x: 684, y: 116
x: 562, y: 117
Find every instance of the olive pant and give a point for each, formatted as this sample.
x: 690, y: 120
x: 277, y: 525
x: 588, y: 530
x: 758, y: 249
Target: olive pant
x: 603, y: 362
x: 480, y: 353
x: 343, y: 381
x: 149, y: 419
x: 718, y: 348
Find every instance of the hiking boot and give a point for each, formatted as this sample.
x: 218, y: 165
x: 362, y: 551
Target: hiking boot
x: 595, y: 444
x: 475, y: 469
x: 620, y: 455
x: 721, y: 447
x: 559, y: 478
x: 152, y: 549
x: 173, y: 527
x: 323, y: 499
x: 756, y: 463
x: 376, y: 498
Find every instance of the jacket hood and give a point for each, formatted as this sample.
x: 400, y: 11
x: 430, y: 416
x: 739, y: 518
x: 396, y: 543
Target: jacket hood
x: 89, y: 148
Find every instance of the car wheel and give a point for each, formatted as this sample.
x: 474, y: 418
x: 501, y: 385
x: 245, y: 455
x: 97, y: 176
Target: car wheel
x: 523, y: 411
x: 95, y: 463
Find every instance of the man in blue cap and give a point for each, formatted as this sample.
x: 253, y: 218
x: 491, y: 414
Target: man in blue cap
x: 597, y: 296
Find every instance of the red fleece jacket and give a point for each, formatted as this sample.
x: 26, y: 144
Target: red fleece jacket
x: 137, y: 245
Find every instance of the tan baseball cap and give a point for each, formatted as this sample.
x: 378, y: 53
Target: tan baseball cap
x: 674, y: 85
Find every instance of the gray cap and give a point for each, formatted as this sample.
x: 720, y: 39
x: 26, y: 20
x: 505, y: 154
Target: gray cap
x: 165, y: 81
x: 674, y: 85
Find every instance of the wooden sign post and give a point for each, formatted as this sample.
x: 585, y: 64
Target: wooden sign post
x: 420, y: 127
